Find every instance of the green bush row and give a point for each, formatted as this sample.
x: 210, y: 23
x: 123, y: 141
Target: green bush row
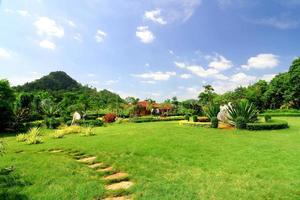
x: 272, y: 125
x: 156, y: 119
x: 281, y: 114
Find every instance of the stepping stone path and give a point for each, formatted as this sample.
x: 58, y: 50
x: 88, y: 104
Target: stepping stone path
x: 115, y: 181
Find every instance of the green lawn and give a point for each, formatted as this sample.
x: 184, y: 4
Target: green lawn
x: 165, y: 161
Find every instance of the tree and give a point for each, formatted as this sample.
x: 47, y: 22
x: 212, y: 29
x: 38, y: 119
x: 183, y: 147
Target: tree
x: 207, y: 96
x: 7, y: 99
x: 294, y: 90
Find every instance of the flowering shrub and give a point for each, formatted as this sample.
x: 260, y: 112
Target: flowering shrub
x: 110, y: 118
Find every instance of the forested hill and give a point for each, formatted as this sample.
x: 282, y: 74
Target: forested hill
x: 62, y: 87
x: 55, y: 81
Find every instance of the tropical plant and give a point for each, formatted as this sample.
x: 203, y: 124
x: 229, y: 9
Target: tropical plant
x: 242, y: 112
x: 31, y: 137
x: 50, y: 110
x: 89, y: 131
x: 212, y: 110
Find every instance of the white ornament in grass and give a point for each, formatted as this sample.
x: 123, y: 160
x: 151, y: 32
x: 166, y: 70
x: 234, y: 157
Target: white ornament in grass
x: 76, y: 116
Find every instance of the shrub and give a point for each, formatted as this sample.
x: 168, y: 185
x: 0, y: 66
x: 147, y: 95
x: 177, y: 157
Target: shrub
x: 214, y: 122
x: 203, y: 119
x: 212, y: 110
x: 268, y: 118
x: 187, y: 117
x: 268, y: 126
x: 194, y: 118
x: 142, y: 119
x: 240, y: 123
x: 242, y: 111
x: 94, y: 123
x: 31, y: 137
x: 51, y: 122
x: 88, y: 132
x: 58, y: 134
x: 110, y: 118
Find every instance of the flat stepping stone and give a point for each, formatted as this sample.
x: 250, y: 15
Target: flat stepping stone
x: 107, y: 169
x: 116, y: 176
x: 87, y: 160
x: 96, y: 165
x: 56, y: 151
x: 119, y: 198
x: 119, y: 186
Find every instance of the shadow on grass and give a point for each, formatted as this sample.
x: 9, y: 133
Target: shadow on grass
x: 11, y: 185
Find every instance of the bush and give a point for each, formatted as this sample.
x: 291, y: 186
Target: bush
x: 67, y: 130
x: 142, y: 119
x: 58, y: 134
x: 194, y: 118
x: 268, y: 126
x: 212, y: 110
x: 268, y: 118
x: 203, y: 119
x: 187, y: 117
x: 242, y: 112
x: 156, y: 119
x: 88, y: 132
x: 93, y: 123
x: 240, y: 123
x: 31, y: 137
x: 110, y: 118
x: 52, y: 122
x: 214, y: 122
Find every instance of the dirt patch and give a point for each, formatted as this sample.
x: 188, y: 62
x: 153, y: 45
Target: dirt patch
x: 119, y: 186
x: 225, y: 126
x: 95, y: 165
x: 87, y: 160
x: 117, y: 176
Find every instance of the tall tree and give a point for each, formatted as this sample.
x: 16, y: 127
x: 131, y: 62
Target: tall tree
x: 7, y: 99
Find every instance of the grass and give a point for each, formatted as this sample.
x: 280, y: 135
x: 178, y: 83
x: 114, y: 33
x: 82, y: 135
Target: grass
x: 166, y: 161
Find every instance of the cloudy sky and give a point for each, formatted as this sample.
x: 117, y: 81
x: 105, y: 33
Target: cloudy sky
x: 155, y: 49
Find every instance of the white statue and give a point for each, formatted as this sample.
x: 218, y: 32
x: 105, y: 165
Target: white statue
x: 76, y: 116
x: 223, y: 115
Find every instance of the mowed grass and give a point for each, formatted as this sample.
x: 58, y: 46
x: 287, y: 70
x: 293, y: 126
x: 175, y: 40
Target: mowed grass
x: 165, y: 161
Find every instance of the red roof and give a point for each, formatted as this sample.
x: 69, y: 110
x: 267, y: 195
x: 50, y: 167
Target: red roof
x: 146, y: 103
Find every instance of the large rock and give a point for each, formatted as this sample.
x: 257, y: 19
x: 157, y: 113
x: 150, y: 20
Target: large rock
x: 223, y: 115
x: 76, y: 116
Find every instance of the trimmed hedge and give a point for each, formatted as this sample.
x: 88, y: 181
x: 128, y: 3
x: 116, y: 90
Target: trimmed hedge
x: 282, y: 114
x: 93, y: 123
x: 272, y: 125
x: 156, y: 119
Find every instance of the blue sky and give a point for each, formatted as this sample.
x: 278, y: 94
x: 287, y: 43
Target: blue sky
x: 149, y: 49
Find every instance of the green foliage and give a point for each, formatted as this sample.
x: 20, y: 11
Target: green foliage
x: 89, y: 131
x: 91, y: 123
x: 2, y: 148
x: 7, y: 98
x: 207, y: 96
x: 268, y: 118
x: 240, y: 122
x: 272, y: 125
x: 51, y: 122
x: 31, y: 137
x: 187, y: 117
x: 212, y: 110
x: 194, y: 118
x: 214, y: 122
x: 156, y: 119
x: 243, y: 112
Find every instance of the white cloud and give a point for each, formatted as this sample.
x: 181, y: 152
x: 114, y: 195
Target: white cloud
x: 148, y: 82
x: 262, y: 61
x: 47, y: 44
x: 185, y: 76
x: 180, y: 65
x: 4, y: 54
x: 234, y: 81
x: 91, y: 75
x: 145, y: 35
x: 71, y: 23
x: 171, y: 52
x: 100, y: 35
x: 155, y: 16
x: 48, y: 27
x: 156, y: 76
x: 268, y: 77
x: 111, y: 82
x: 278, y: 22
x: 201, y: 72
x: 220, y: 63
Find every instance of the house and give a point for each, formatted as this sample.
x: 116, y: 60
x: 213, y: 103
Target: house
x: 147, y: 108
